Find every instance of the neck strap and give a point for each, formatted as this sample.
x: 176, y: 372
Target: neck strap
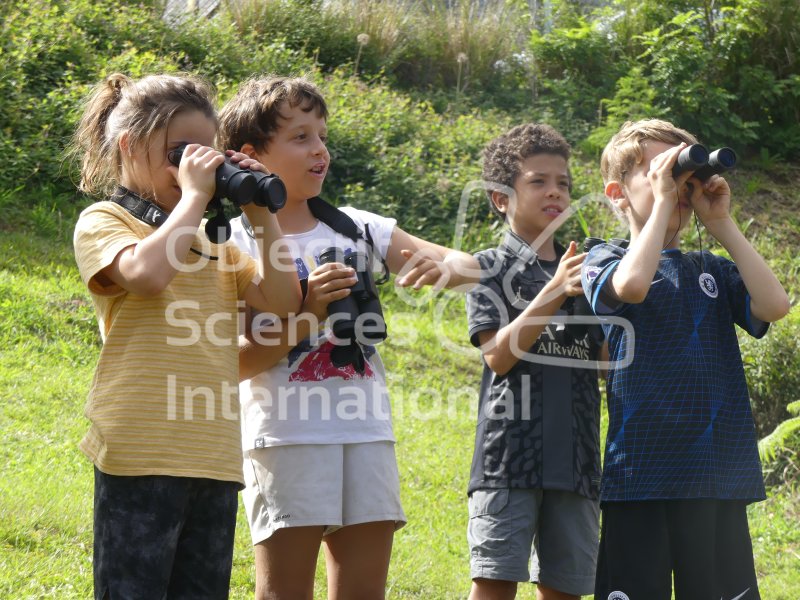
x: 142, y: 209
x: 145, y: 211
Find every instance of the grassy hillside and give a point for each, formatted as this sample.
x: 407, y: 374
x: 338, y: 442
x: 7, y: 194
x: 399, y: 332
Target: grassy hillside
x: 405, y: 140
x: 48, y: 348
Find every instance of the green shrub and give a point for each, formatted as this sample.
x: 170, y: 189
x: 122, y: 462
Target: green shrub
x: 398, y: 157
x: 772, y: 366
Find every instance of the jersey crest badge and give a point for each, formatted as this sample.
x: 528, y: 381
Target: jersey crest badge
x: 592, y: 273
x: 709, y: 285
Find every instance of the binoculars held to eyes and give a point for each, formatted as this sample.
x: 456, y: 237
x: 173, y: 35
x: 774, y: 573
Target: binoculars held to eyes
x: 696, y: 158
x: 242, y: 186
x: 357, y: 317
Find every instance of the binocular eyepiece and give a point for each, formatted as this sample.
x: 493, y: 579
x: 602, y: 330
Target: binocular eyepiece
x: 242, y: 186
x: 697, y: 158
x: 357, y: 317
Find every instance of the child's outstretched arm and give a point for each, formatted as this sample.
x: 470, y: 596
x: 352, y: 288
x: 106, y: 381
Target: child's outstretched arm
x: 419, y: 262
x: 503, y: 348
x: 711, y: 201
x: 631, y: 280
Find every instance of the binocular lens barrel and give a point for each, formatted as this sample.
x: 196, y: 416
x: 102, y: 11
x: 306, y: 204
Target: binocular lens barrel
x: 363, y: 301
x: 718, y: 162
x: 696, y: 158
x: 690, y: 158
x: 236, y: 184
x: 270, y: 191
x: 591, y: 242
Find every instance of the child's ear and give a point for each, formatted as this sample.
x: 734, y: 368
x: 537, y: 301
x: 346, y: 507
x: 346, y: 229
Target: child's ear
x: 500, y: 201
x: 124, y: 144
x: 616, y: 194
x: 250, y: 150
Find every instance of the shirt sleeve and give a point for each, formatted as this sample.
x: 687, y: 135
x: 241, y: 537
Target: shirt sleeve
x: 599, y: 265
x: 246, y: 268
x: 100, y: 235
x: 738, y: 297
x: 486, y: 308
x: 380, y: 228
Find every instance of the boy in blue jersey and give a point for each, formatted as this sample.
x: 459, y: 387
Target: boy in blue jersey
x: 681, y: 460
x: 535, y: 471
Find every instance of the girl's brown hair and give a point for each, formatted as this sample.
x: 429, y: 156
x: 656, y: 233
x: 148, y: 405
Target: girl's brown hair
x: 139, y: 108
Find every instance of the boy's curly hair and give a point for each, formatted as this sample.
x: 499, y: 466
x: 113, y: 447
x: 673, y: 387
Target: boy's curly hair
x: 251, y: 116
x: 626, y: 149
x: 504, y: 154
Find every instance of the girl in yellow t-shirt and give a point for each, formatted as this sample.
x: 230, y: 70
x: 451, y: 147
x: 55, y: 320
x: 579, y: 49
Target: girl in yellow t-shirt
x: 163, y: 405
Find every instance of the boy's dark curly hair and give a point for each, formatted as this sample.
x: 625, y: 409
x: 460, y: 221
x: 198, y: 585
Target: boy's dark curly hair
x: 503, y: 155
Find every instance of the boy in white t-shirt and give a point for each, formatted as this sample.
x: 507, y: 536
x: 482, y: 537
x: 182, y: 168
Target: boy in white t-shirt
x: 319, y: 449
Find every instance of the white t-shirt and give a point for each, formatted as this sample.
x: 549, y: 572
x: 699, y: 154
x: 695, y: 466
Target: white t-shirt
x: 305, y: 398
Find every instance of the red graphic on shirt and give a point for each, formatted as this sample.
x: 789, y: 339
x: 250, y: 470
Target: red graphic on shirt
x: 317, y: 366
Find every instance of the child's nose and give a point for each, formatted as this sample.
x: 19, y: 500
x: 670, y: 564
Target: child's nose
x: 554, y: 191
x: 319, y: 146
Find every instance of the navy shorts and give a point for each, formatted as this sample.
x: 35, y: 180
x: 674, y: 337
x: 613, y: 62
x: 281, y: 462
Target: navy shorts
x: 703, y: 544
x: 161, y: 537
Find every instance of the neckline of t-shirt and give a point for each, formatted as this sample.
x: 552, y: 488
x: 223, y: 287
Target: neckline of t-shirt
x: 311, y: 232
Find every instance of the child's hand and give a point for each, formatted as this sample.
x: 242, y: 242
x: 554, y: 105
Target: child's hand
x: 664, y: 185
x: 568, y: 275
x: 195, y: 175
x: 241, y: 160
x: 422, y: 269
x: 711, y: 200
x: 326, y: 283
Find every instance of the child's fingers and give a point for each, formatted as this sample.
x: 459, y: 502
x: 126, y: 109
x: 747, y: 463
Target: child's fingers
x: 328, y: 267
x: 416, y: 273
x: 570, y: 261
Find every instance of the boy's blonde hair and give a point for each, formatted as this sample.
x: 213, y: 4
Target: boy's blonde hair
x: 251, y: 116
x: 625, y: 149
x: 139, y: 108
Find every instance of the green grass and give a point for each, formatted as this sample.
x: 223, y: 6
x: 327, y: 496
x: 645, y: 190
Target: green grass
x: 49, y: 348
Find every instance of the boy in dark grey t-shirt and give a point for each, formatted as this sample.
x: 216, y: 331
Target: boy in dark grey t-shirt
x: 536, y: 467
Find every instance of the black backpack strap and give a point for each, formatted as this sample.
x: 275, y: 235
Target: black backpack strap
x: 334, y: 218
x: 341, y: 223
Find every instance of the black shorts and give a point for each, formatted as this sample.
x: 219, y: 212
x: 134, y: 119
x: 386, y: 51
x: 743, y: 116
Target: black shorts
x: 704, y: 544
x: 163, y: 537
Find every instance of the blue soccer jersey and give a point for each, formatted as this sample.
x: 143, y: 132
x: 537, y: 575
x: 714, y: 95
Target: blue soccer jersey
x: 680, y: 424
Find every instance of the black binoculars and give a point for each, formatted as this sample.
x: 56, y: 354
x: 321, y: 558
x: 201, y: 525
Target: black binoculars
x: 242, y: 186
x: 358, y: 317
x: 696, y: 158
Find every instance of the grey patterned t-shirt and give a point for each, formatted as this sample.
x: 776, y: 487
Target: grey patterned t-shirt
x: 538, y: 425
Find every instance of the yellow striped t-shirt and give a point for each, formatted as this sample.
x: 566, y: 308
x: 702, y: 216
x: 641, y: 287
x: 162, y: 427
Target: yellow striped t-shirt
x: 164, y: 399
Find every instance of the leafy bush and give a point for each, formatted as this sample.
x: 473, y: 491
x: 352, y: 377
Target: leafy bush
x: 780, y: 450
x: 400, y: 158
x: 772, y: 366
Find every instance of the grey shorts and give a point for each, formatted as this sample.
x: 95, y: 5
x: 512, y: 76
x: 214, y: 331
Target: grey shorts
x: 557, y: 532
x: 333, y: 485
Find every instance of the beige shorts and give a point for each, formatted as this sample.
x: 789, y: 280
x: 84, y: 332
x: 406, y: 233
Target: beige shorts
x: 332, y: 485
